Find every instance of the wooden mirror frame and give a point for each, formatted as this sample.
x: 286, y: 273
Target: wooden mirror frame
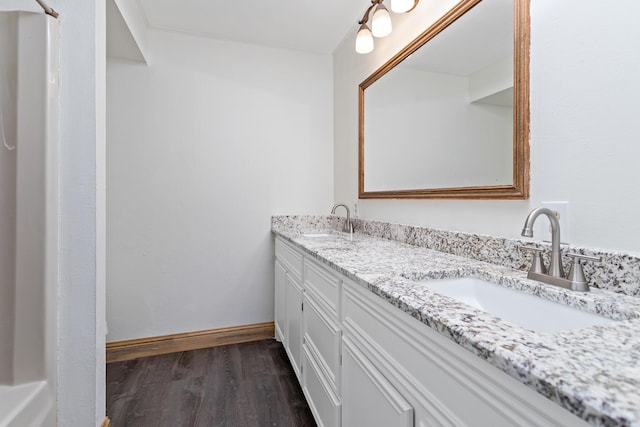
x: 520, y: 187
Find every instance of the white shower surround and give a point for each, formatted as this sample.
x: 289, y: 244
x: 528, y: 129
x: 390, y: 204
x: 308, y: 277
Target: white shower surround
x: 29, y: 218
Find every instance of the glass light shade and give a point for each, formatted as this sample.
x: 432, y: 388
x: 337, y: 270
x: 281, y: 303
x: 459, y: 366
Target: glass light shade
x: 402, y: 6
x: 381, y: 22
x: 364, y: 40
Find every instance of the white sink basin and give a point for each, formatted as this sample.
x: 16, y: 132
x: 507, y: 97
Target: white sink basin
x: 528, y: 311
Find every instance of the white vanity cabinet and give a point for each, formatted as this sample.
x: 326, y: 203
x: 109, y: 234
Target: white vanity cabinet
x: 363, y: 362
x: 307, y: 322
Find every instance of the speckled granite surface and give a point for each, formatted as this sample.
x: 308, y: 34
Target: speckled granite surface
x: 593, y: 372
x: 618, y: 271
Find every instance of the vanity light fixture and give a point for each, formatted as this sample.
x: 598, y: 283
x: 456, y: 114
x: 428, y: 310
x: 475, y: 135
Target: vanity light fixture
x: 364, y: 39
x: 380, y: 22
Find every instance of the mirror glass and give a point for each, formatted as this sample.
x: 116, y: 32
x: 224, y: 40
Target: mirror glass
x: 448, y: 116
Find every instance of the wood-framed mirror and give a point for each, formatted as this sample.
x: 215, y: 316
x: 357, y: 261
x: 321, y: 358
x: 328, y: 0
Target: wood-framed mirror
x: 448, y: 116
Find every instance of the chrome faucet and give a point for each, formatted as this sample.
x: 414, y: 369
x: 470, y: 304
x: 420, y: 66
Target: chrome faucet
x: 348, y: 226
x: 555, y: 266
x: 555, y: 276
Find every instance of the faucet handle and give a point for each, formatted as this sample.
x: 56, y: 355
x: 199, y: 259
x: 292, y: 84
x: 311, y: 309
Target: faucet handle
x: 578, y: 257
x: 537, y: 266
x: 576, y: 273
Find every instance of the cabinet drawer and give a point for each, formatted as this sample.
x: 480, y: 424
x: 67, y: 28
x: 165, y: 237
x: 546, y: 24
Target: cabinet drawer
x: 289, y: 257
x: 324, y: 404
x: 323, y: 284
x: 322, y: 336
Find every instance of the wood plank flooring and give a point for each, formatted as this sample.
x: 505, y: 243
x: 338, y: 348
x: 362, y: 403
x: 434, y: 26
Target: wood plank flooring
x: 249, y: 384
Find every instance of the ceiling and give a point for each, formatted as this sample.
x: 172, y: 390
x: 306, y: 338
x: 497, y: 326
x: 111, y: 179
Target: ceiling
x: 120, y: 41
x: 305, y: 25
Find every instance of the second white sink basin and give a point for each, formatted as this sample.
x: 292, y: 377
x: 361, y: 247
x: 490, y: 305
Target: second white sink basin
x: 528, y: 311
x: 318, y: 235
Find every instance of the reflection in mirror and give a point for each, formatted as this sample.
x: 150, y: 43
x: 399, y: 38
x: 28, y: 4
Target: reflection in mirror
x: 440, y: 120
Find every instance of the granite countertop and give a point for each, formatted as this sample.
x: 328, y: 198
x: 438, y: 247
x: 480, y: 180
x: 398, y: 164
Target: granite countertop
x: 592, y: 372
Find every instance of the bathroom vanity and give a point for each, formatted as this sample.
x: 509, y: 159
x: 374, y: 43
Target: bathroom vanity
x: 371, y: 345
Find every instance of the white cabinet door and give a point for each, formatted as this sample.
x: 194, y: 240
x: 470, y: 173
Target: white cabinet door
x: 280, y: 301
x: 368, y: 399
x: 293, y: 334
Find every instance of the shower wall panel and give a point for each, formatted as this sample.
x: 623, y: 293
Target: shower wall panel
x: 8, y: 107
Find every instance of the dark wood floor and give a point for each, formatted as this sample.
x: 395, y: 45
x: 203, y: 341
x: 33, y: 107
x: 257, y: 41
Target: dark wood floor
x: 250, y: 384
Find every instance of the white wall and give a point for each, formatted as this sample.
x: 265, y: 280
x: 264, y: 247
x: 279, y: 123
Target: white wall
x: 205, y: 144
x: 585, y: 98
x: 81, y: 354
